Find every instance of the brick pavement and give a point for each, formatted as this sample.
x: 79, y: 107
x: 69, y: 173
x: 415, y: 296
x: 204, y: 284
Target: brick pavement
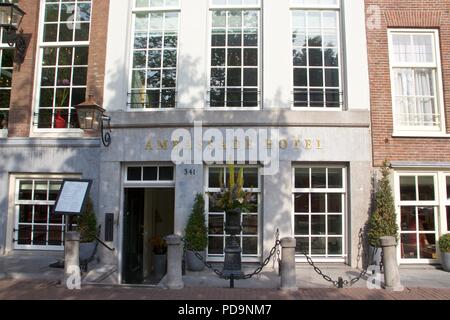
x: 37, y: 290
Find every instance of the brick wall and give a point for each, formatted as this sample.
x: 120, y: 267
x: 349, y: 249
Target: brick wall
x: 405, y: 14
x: 21, y: 108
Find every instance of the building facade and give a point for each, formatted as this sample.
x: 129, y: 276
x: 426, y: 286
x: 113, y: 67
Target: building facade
x: 408, y: 46
x: 174, y: 75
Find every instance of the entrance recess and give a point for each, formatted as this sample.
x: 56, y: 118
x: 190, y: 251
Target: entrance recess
x: 148, y: 215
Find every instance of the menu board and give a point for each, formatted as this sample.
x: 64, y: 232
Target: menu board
x: 72, y: 197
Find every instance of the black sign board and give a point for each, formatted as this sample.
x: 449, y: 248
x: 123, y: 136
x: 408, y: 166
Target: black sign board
x: 72, y: 197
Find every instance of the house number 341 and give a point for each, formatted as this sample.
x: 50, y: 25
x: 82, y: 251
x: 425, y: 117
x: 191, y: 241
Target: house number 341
x: 190, y: 172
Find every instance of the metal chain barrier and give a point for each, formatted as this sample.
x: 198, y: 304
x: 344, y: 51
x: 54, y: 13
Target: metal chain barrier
x: 275, y: 253
x: 340, y: 283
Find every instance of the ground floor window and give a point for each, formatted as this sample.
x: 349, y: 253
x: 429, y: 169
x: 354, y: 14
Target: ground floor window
x: 216, y: 177
x: 319, y: 211
x: 423, y: 202
x: 447, y: 201
x: 36, y: 227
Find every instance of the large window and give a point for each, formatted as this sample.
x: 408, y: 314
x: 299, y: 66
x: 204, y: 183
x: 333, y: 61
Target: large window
x: 416, y: 84
x: 447, y: 202
x: 234, y: 56
x: 316, y: 54
x: 63, y: 58
x: 6, y: 71
x: 249, y: 237
x: 418, y: 199
x: 36, y: 227
x: 155, y: 55
x: 319, y: 211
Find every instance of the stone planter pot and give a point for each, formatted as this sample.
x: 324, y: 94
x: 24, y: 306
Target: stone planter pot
x: 446, y: 261
x: 194, y: 263
x: 160, y: 265
x: 375, y: 255
x: 86, y: 250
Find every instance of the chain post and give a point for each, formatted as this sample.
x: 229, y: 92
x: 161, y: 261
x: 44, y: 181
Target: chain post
x: 340, y: 283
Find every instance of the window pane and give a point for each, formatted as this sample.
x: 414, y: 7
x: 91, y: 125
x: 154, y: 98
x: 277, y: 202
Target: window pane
x: 426, y: 219
x: 251, y: 178
x: 335, y: 178
x: 302, y: 245
x: 25, y: 190
x: 25, y: 214
x: 250, y: 245
x: 318, y: 178
x: 301, y: 225
x: 165, y: 173
x: 335, y: 225
x: 134, y: 174
x: 408, y: 219
x: 215, y: 245
x: 318, y: 202
x: 302, y: 178
x: 427, y: 246
x: 408, y: 188
x: 250, y: 225
x: 149, y: 174
x: 334, y: 203
x: 448, y: 188
x: 318, y: 246
x: 318, y: 225
x: 216, y: 224
x: 335, y: 246
x: 302, y: 203
x: 426, y: 188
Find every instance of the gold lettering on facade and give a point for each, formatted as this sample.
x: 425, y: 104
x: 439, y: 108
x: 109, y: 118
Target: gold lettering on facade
x: 308, y: 144
x: 284, y: 144
x: 149, y: 145
x: 319, y: 144
x: 297, y: 144
x: 163, y: 144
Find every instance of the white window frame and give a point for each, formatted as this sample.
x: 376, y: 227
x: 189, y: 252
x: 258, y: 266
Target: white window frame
x: 162, y: 9
x: 320, y: 7
x: 446, y: 196
x: 258, y: 191
x: 344, y: 190
x: 439, y: 204
x: 5, y: 46
x: 153, y: 183
x: 16, y: 203
x: 41, y: 45
x: 260, y: 95
x: 419, y: 131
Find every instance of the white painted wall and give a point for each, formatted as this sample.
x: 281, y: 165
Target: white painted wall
x: 276, y: 56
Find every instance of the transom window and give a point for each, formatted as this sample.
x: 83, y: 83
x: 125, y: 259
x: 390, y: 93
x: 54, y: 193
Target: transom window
x: 64, y: 50
x: 149, y: 173
x: 319, y: 211
x: 155, y: 55
x: 418, y: 199
x: 416, y: 84
x: 36, y: 227
x: 249, y: 237
x: 235, y: 56
x: 316, y: 54
x: 6, y: 72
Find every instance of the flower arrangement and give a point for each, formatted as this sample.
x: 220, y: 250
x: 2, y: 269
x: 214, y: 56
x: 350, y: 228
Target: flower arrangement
x: 233, y: 196
x: 159, y: 245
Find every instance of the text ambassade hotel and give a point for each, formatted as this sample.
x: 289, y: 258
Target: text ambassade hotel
x: 303, y: 67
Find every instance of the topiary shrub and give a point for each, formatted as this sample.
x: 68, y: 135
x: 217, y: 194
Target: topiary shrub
x: 383, y: 221
x: 444, y: 243
x: 87, y: 223
x: 196, y: 233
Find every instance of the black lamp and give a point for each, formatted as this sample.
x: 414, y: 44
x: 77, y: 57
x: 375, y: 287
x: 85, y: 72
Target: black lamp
x: 91, y: 117
x: 10, y: 19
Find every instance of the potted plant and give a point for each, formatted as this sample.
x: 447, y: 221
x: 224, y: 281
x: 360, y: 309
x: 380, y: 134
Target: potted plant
x: 87, y: 227
x: 383, y: 221
x: 196, y: 235
x: 444, y: 246
x: 159, y: 247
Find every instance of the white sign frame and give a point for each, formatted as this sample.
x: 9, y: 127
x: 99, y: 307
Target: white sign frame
x: 72, y: 197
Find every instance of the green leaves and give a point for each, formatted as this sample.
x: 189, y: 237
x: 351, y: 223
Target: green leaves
x: 87, y: 223
x: 383, y: 221
x: 444, y: 243
x: 196, y: 234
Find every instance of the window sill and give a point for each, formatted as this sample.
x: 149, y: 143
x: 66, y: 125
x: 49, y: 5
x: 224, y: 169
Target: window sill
x: 57, y: 133
x: 421, y: 135
x: 3, y: 133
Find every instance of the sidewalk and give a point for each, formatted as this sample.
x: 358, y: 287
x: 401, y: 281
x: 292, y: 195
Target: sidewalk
x: 41, y: 290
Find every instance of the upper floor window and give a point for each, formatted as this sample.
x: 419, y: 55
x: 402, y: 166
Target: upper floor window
x: 155, y: 53
x: 235, y: 54
x: 63, y: 62
x: 416, y: 80
x: 6, y: 71
x: 316, y: 54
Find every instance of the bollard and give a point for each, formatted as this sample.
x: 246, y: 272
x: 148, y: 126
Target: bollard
x: 391, y: 273
x: 71, y: 255
x: 288, y: 276
x: 174, y: 263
